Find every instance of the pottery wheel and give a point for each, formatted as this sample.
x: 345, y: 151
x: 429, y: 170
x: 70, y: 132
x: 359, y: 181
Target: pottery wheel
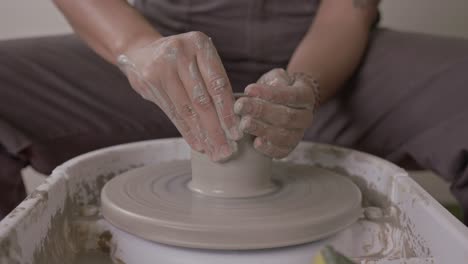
x: 155, y: 203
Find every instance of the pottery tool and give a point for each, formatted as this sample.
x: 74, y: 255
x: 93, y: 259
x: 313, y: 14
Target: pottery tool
x: 248, y: 202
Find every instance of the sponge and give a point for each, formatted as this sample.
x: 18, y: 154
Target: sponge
x: 328, y: 255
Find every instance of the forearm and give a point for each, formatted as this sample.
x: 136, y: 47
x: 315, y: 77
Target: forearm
x: 110, y: 27
x: 334, y: 45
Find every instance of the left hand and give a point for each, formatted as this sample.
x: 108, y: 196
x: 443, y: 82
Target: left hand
x: 277, y: 110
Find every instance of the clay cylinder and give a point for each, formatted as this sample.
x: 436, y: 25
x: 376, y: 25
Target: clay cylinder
x: 246, y: 174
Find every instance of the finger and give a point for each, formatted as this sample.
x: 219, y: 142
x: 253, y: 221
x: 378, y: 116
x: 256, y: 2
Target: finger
x: 300, y: 95
x: 217, y: 85
x: 186, y: 132
x: 275, y: 77
x: 267, y: 148
x: 185, y: 112
x: 200, y: 99
x: 278, y: 136
x: 173, y: 111
x: 170, y: 110
x: 274, y: 114
x: 151, y: 88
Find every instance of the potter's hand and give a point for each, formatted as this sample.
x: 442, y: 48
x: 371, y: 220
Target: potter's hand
x: 184, y: 76
x: 278, y: 109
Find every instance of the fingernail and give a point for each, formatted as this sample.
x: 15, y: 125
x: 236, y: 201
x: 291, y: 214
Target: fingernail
x: 224, y: 152
x: 242, y: 107
x: 238, y: 107
x: 249, y: 90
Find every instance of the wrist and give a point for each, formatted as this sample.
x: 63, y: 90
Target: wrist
x: 131, y: 42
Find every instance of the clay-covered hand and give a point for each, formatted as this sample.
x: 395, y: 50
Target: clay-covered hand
x: 277, y: 110
x: 184, y: 76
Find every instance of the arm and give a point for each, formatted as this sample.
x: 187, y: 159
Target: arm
x: 335, y: 43
x: 280, y: 106
x: 110, y: 27
x: 182, y: 74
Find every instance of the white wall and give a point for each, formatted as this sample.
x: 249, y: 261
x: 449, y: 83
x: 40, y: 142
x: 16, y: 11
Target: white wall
x: 447, y: 17
x: 20, y: 18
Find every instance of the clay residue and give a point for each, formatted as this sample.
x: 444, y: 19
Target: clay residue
x: 391, y: 229
x: 396, y: 232
x: 10, y: 251
x: 104, y: 242
x: 108, y: 247
x: 61, y: 243
x: 32, y: 215
x: 38, y: 194
x: 90, y: 193
x: 64, y: 241
x: 371, y: 197
x: 15, y: 212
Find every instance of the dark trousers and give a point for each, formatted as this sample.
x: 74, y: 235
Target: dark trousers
x: 406, y: 103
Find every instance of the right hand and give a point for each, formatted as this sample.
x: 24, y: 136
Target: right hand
x: 184, y: 76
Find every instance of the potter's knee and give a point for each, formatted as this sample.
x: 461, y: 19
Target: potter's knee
x: 16, y: 48
x: 30, y: 48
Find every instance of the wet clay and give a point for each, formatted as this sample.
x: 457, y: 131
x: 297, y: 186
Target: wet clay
x: 246, y: 174
x: 249, y: 202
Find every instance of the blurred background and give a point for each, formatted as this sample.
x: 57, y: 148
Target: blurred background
x: 19, y: 18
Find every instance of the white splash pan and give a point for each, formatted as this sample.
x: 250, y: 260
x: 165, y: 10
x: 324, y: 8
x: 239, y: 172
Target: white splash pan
x: 60, y: 221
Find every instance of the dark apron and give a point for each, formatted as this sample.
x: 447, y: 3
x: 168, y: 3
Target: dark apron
x: 252, y: 36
